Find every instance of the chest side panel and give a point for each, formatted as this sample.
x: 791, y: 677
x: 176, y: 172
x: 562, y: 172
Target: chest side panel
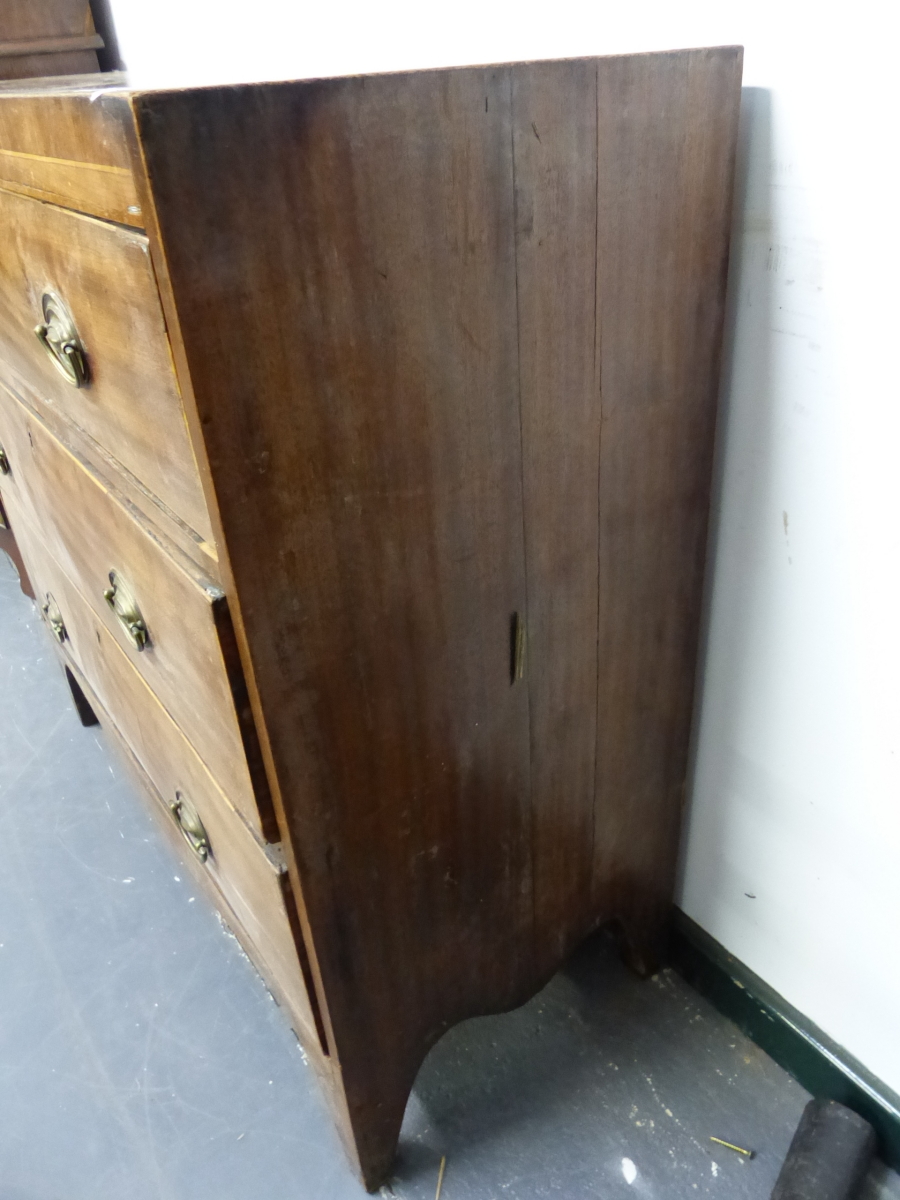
x: 347, y: 305
x: 667, y: 127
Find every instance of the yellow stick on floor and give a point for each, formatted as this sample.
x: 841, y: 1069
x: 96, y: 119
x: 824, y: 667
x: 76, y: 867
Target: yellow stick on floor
x: 731, y: 1146
x: 437, y: 1194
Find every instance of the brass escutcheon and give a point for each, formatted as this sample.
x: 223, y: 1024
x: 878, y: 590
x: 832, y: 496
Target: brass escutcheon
x: 54, y: 618
x: 192, y: 828
x: 60, y: 339
x: 120, y: 599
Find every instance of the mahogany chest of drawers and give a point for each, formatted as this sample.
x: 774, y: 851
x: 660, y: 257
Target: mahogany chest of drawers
x: 53, y: 37
x: 357, y: 435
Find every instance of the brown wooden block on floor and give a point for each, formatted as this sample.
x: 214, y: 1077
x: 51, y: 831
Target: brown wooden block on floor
x: 829, y: 1156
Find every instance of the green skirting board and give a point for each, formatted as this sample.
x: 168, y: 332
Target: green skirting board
x: 791, y: 1039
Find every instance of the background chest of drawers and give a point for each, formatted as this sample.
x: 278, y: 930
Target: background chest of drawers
x: 357, y: 435
x: 55, y: 37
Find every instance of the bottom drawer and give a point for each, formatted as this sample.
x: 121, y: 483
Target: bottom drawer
x: 252, y: 882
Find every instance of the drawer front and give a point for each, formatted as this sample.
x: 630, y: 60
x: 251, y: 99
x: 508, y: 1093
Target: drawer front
x: 252, y: 885
x: 90, y: 533
x: 130, y: 403
x: 70, y: 147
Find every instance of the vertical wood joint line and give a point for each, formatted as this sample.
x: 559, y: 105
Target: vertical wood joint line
x: 521, y: 619
x: 598, y: 391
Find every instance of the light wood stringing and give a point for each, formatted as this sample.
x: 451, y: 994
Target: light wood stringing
x: 70, y: 147
x: 107, y: 192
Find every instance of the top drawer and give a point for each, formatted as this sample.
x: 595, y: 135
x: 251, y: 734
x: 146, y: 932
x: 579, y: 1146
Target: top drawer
x: 103, y: 275
x: 69, y: 144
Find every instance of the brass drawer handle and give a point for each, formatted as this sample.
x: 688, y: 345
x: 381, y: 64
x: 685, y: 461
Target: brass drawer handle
x: 60, y: 339
x: 4, y: 462
x: 120, y: 599
x: 54, y: 618
x: 192, y: 829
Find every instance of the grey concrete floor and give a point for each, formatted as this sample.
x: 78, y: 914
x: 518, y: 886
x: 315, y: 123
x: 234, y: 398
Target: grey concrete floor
x: 142, y: 1056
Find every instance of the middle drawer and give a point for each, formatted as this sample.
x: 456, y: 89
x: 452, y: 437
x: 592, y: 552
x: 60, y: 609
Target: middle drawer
x: 133, y: 583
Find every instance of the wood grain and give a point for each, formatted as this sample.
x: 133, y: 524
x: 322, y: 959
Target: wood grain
x: 41, y: 65
x: 107, y: 192
x: 55, y: 37
x: 131, y: 404
x: 23, y: 19
x: 69, y: 146
x: 666, y: 137
x: 78, y: 119
x: 166, y: 525
x: 377, y: 590
x: 21, y: 48
x: 481, y: 312
x: 89, y: 531
x: 450, y: 341
x: 555, y: 143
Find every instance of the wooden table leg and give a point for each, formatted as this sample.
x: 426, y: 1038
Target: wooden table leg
x: 8, y: 543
